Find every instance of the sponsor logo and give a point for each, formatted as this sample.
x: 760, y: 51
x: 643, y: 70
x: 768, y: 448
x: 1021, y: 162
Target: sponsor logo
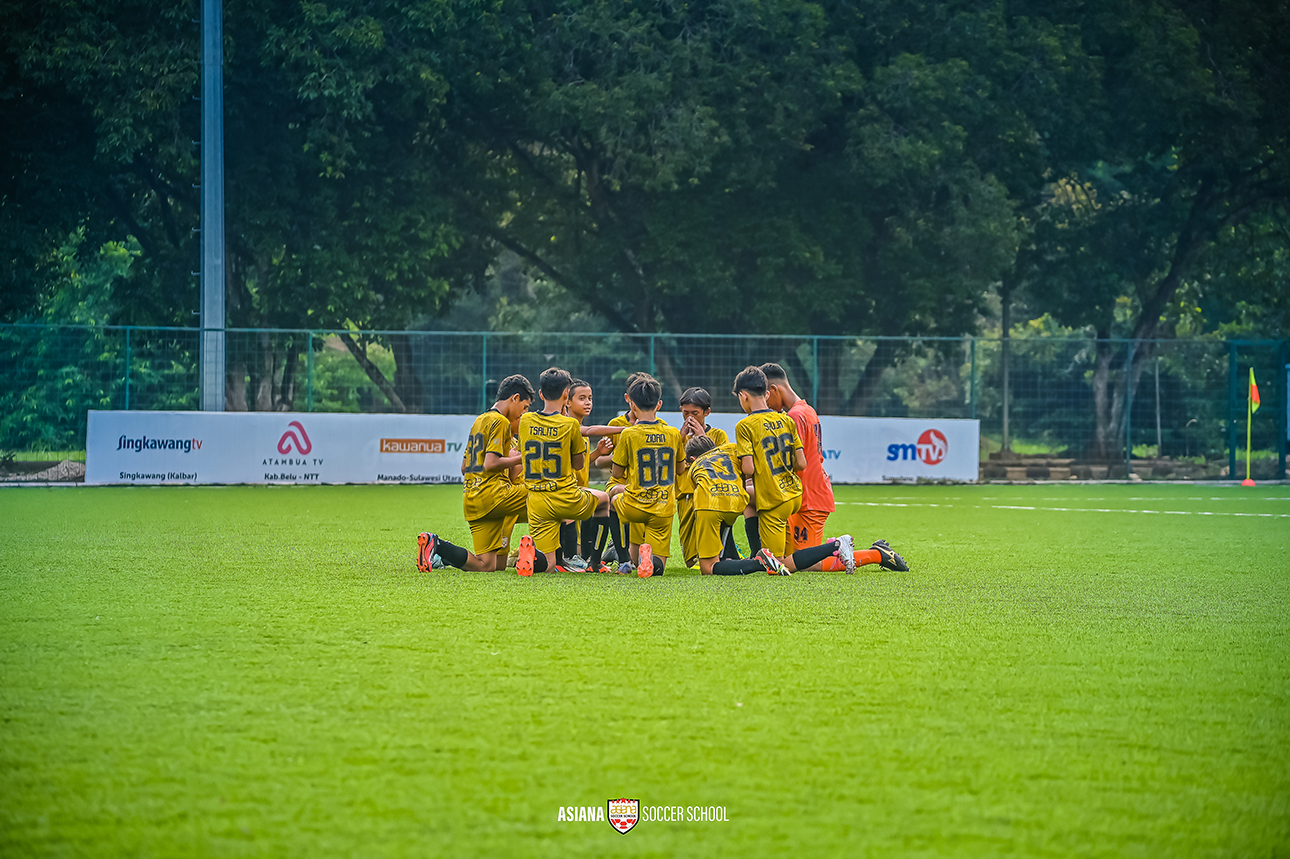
x: 139, y: 445
x: 413, y: 445
x: 624, y: 814
x: 301, y: 442
x: 930, y: 449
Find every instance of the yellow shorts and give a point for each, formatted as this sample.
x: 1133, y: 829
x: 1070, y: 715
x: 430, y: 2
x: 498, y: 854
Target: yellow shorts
x: 495, y: 517
x: 707, y: 531
x: 548, y: 510
x: 655, y: 529
x: 772, y: 526
x: 807, y: 528
x: 685, y: 525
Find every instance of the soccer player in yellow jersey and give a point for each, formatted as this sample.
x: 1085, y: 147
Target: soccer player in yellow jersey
x: 770, y: 453
x: 553, y: 452
x: 696, y: 405
x: 577, y: 557
x: 492, y: 501
x: 607, y: 460
x: 719, y: 499
x: 648, y: 456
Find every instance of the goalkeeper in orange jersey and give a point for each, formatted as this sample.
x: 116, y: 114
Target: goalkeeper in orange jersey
x: 806, y: 526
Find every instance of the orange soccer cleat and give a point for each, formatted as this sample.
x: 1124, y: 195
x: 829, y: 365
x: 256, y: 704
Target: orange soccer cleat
x: 524, y: 564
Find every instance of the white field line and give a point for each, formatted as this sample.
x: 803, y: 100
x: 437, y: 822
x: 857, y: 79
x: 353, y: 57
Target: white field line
x: 1079, y: 509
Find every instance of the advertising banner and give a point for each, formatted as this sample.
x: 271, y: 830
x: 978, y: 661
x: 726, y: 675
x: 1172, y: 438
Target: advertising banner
x: 139, y: 447
x: 877, y: 450
x: 273, y: 447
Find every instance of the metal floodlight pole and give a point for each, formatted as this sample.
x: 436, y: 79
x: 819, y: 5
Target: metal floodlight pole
x: 213, y: 272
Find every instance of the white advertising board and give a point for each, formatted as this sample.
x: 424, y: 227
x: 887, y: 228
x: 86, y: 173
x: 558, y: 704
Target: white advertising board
x: 273, y: 447
x: 877, y: 450
x: 140, y: 447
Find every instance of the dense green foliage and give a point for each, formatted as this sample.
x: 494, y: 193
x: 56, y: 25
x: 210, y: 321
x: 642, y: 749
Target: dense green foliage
x: 795, y: 167
x: 262, y: 671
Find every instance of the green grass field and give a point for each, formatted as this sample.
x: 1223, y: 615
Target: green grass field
x: 258, y: 671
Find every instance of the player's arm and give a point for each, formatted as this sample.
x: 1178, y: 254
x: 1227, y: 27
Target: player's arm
x: 602, y: 430
x: 494, y: 461
x: 748, y: 467
x: 620, y: 473
x: 799, y: 460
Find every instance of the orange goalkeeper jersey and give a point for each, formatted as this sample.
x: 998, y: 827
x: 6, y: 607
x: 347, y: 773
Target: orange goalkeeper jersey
x: 817, y: 490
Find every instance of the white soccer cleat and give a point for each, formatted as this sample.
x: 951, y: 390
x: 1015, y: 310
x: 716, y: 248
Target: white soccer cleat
x: 847, y: 552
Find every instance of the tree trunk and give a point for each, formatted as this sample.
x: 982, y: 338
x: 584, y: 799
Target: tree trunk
x: 286, y: 400
x: 407, y: 382
x: 264, y: 379
x: 860, y: 399
x: 373, y: 372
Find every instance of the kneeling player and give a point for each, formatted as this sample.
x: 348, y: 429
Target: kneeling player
x: 491, y: 503
x: 770, y: 452
x: 553, y: 451
x: 719, y: 499
x: 647, y: 458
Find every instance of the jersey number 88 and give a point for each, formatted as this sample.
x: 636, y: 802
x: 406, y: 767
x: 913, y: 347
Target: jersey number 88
x: 655, y: 466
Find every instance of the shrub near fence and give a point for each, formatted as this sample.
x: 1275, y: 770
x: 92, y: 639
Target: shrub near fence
x: 1172, y: 406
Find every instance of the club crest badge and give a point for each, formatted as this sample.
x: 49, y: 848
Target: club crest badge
x: 624, y: 813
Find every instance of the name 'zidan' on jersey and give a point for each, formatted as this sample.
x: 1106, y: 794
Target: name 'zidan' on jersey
x: 548, y: 444
x: 771, y: 439
x: 718, y: 483
x: 650, y: 453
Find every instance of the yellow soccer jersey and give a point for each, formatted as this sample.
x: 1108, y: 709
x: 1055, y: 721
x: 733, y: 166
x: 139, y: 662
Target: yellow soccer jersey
x: 770, y: 438
x: 548, y: 444
x: 650, y: 454
x: 685, y: 483
x: 491, y: 433
x: 718, y: 484
x: 584, y: 473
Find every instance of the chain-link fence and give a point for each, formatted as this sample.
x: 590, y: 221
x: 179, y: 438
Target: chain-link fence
x: 1047, y: 406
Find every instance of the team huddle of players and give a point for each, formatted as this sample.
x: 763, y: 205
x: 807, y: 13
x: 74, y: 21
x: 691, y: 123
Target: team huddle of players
x: 534, y: 466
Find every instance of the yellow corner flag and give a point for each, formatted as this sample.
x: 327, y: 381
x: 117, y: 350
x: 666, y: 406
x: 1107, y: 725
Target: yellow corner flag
x: 1254, y: 393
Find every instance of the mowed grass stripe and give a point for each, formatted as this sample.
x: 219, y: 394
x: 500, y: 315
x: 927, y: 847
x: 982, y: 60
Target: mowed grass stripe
x: 261, y: 670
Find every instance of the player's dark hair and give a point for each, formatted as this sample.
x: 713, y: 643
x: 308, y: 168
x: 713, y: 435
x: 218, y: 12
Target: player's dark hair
x: 752, y: 380
x: 645, y: 392
x: 553, y: 383
x: 697, y: 397
x: 632, y: 379
x: 576, y: 384
x: 516, y: 384
x: 774, y: 373
x: 698, y: 446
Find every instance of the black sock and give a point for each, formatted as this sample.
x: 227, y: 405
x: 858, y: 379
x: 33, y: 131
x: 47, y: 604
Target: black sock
x: 804, y: 559
x: 659, y: 565
x: 597, y: 529
x: 569, y: 539
x: 539, y: 562
x: 751, y: 525
x: 453, y: 556
x: 737, y: 568
x: 728, y: 548
x: 616, y: 534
